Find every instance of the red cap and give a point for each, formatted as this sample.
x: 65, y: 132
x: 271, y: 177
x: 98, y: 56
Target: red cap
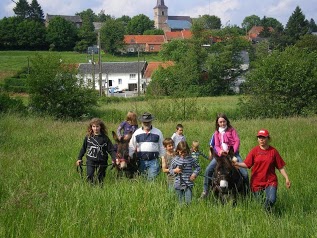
x: 264, y: 133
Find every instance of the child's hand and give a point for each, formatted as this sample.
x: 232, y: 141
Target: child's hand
x: 78, y: 162
x: 192, y: 177
x: 178, y: 170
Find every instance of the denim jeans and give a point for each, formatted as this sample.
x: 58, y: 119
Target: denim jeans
x: 184, y: 194
x: 270, y: 196
x: 100, y: 167
x: 210, y: 171
x: 151, y: 167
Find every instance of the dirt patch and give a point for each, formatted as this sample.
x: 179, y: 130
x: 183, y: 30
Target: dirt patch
x: 6, y: 74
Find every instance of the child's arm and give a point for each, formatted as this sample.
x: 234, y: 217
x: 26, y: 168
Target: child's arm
x: 164, y: 165
x: 196, y: 171
x: 82, y: 152
x: 203, y: 155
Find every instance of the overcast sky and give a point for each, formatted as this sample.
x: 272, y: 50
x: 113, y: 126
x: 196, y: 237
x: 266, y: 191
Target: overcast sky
x: 229, y: 11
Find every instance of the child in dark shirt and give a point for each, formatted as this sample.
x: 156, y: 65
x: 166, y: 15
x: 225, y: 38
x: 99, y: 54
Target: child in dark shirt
x: 96, y: 146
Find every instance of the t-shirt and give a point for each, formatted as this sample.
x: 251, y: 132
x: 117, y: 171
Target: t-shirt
x: 263, y: 164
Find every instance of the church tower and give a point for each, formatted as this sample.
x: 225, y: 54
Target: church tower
x: 160, y: 15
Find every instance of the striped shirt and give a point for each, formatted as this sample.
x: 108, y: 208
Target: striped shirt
x: 148, y: 146
x: 189, y: 166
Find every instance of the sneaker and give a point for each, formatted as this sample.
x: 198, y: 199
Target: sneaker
x: 203, y: 195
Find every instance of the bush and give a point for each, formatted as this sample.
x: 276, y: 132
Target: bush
x: 282, y: 84
x: 8, y: 104
x: 56, y: 90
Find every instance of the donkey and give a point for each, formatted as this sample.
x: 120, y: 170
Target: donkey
x: 124, y: 164
x: 227, y: 182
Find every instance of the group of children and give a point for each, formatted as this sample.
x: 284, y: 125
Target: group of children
x: 180, y: 163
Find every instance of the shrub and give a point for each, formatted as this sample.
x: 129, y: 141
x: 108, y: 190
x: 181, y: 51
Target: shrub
x: 282, y: 84
x: 8, y: 104
x: 56, y: 90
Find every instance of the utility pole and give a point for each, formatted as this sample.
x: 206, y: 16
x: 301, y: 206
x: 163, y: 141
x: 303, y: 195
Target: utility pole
x: 93, y: 69
x: 138, y: 71
x: 100, y: 68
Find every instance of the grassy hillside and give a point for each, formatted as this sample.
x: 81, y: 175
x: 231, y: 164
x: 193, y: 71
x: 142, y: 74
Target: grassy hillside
x: 41, y: 195
x: 12, y: 61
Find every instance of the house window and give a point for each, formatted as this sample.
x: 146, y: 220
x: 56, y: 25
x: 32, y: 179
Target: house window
x: 119, y: 81
x: 151, y: 47
x: 162, y: 13
x: 132, y: 76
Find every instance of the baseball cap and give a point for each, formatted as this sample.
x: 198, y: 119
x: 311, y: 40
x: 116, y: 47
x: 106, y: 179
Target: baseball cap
x: 264, y: 133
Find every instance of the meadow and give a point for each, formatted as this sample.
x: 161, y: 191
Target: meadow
x: 42, y: 195
x: 13, y: 61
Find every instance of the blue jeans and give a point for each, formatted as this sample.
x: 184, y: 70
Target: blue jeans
x: 151, y: 167
x: 184, y: 194
x: 210, y: 171
x: 270, y: 196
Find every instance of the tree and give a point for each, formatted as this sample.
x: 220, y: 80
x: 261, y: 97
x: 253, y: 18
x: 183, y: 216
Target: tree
x: 312, y: 25
x: 31, y: 35
x: 296, y: 26
x: 36, y: 12
x: 272, y: 22
x: 139, y: 24
x: 102, y: 17
x: 174, y: 50
x: 288, y: 90
x: 22, y: 9
x: 210, y: 22
x: 154, y: 32
x: 265, y: 33
x: 112, y: 36
x: 250, y: 21
x: 55, y: 89
x: 86, y: 33
x: 8, y: 34
x: 61, y: 34
x: 307, y: 42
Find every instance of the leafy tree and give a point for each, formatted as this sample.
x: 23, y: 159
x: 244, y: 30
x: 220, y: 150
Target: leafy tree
x: 55, y: 89
x: 154, y: 32
x: 112, y: 36
x: 288, y: 90
x: 31, y: 35
x: 22, y: 9
x: 61, y: 34
x: 210, y: 22
x: 86, y: 34
x: 312, y: 25
x: 139, y: 24
x: 174, y: 50
x: 250, y: 21
x: 102, y: 17
x: 8, y: 104
x: 308, y: 42
x: 8, y: 34
x: 36, y: 12
x: 296, y: 26
x: 272, y: 22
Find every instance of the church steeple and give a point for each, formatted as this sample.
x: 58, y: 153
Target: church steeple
x: 160, y: 3
x: 160, y: 14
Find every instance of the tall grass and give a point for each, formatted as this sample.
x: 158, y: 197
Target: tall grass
x: 41, y: 195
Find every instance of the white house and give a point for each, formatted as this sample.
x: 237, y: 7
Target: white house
x: 123, y: 75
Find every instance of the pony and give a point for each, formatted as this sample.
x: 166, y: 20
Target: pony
x: 227, y: 182
x: 124, y: 164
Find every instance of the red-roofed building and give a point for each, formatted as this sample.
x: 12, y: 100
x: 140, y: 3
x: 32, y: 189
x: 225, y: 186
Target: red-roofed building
x: 184, y: 34
x: 145, y: 43
x: 255, y: 31
x: 152, y: 66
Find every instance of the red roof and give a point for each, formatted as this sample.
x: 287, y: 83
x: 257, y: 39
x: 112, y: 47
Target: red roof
x: 152, y: 66
x: 143, y: 39
x: 256, y: 30
x: 184, y: 34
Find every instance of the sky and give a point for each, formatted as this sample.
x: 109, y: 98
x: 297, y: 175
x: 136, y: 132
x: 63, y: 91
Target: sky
x: 231, y: 12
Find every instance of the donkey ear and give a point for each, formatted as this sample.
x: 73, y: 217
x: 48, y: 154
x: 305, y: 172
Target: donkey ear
x: 115, y: 137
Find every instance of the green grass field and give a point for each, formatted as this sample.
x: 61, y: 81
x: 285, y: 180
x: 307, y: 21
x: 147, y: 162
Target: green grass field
x: 12, y: 61
x: 42, y: 195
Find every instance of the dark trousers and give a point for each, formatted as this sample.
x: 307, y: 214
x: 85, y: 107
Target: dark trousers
x: 96, y: 166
